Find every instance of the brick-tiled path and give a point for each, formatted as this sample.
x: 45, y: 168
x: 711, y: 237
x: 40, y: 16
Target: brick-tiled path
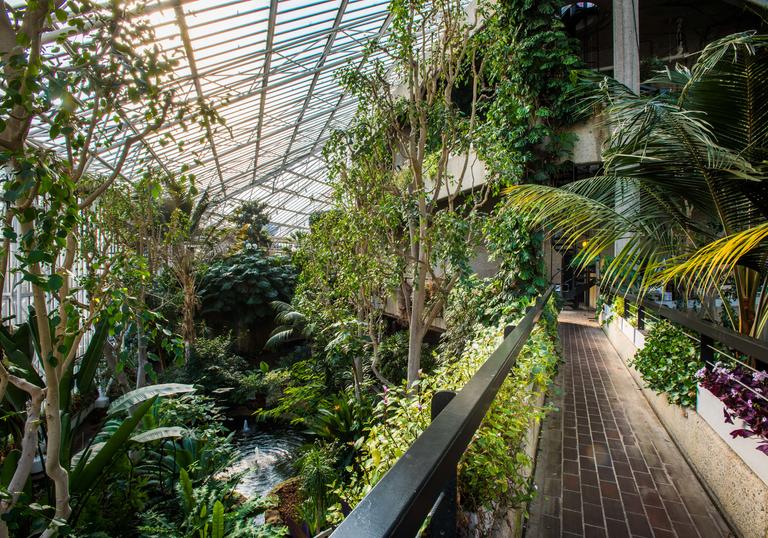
x: 606, y: 466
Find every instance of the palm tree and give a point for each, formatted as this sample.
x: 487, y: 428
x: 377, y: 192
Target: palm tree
x: 292, y: 326
x: 684, y: 185
x: 187, y: 243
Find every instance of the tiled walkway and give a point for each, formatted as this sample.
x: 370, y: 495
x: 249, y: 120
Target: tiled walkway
x: 606, y: 466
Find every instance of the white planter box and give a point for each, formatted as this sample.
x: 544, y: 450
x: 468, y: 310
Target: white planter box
x: 710, y: 408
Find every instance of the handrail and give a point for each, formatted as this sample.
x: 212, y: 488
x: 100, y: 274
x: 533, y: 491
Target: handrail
x: 400, y: 502
x: 708, y: 332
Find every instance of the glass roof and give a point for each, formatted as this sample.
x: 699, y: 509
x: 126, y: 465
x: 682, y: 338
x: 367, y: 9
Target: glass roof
x: 268, y: 68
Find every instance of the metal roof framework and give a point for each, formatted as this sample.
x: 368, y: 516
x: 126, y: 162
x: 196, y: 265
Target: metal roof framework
x: 268, y: 67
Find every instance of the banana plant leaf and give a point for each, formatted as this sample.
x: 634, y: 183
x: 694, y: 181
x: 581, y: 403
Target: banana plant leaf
x: 89, y: 468
x: 18, y: 347
x: 156, y: 434
x: 129, y: 399
x: 89, y: 362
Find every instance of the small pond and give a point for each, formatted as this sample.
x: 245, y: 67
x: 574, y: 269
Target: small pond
x: 268, y: 456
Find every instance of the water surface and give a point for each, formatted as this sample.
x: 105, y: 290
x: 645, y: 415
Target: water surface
x: 268, y: 457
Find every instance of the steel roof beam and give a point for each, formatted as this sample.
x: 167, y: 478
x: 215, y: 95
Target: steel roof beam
x: 382, y: 32
x: 265, y: 81
x: 182, y: 24
x: 316, y: 76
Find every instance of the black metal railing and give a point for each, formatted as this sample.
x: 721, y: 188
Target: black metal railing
x: 422, y: 483
x: 706, y: 333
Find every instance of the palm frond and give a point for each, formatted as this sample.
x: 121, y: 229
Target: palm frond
x: 280, y: 335
x: 712, y: 265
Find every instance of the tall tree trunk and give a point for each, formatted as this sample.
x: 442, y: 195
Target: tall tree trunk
x: 142, y: 354
x: 53, y: 467
x: 416, y: 330
x: 188, y: 322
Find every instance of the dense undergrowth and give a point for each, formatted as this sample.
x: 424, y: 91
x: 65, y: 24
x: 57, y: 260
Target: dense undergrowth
x: 493, y: 471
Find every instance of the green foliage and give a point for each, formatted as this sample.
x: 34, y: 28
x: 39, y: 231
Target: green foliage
x: 528, y: 58
x: 684, y: 173
x: 251, y: 219
x: 218, y: 370
x: 393, y: 357
x: 241, y: 287
x: 668, y: 363
x: 226, y: 376
x: 618, y: 305
x: 174, y: 466
x: 292, y: 325
x: 490, y: 473
x: 304, y: 391
x: 512, y: 242
x: 317, y: 477
x: 342, y: 421
x: 207, y: 510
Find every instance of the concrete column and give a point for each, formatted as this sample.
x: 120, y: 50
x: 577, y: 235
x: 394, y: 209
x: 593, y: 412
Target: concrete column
x: 626, y: 42
x: 626, y: 58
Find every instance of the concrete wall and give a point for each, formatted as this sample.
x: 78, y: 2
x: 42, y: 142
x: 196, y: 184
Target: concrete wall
x: 739, y: 493
x: 590, y: 136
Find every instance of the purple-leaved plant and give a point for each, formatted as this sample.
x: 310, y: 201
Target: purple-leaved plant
x: 732, y: 386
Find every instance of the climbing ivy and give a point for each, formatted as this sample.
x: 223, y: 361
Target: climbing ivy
x: 530, y: 61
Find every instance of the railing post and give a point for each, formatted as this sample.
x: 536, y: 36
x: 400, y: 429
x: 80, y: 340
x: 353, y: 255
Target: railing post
x: 445, y: 514
x: 624, y: 308
x: 640, y: 317
x: 705, y: 349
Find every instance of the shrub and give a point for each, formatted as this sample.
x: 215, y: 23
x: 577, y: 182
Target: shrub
x: 243, y: 285
x: 668, y: 363
x: 491, y: 471
x: 618, y: 305
x: 304, y: 391
x: 218, y: 371
x: 317, y: 477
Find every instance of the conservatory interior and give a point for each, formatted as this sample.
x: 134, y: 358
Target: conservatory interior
x: 373, y: 268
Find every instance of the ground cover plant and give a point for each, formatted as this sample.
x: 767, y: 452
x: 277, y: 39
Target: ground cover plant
x: 743, y: 392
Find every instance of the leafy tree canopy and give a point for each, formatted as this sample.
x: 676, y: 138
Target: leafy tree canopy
x: 244, y: 284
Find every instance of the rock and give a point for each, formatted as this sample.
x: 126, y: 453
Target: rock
x: 272, y: 517
x: 289, y: 499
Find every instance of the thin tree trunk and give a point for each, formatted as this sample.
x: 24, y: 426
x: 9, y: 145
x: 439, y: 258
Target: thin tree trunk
x: 53, y: 467
x: 357, y: 373
x: 110, y: 355
x: 28, y: 449
x: 142, y: 356
x: 188, y: 308
x: 416, y: 327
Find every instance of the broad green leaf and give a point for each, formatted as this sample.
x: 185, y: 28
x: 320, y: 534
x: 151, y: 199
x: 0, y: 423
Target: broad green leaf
x: 217, y: 530
x: 84, y: 476
x: 91, y: 358
x: 128, y: 400
x: 156, y: 434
